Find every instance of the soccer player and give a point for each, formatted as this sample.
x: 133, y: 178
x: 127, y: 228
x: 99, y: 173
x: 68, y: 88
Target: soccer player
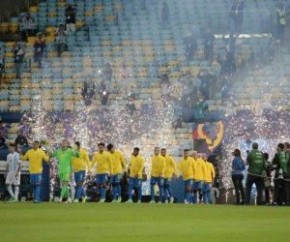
x: 118, y: 166
x: 170, y: 171
x: 187, y: 167
x: 158, y: 164
x: 199, y: 176
x: 256, y: 164
x: 209, y: 176
x: 36, y: 156
x: 13, y: 173
x: 64, y: 155
x: 103, y: 161
x: 136, y: 167
x: 80, y: 165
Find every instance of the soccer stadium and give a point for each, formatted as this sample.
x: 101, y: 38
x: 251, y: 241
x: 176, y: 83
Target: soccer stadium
x: 145, y: 120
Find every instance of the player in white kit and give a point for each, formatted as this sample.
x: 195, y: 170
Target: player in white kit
x: 13, y: 173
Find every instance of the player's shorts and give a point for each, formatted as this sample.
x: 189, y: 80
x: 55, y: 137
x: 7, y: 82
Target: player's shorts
x: 101, y: 178
x: 116, y: 179
x: 157, y: 180
x: 12, y: 179
x: 206, y: 187
x: 135, y: 182
x: 197, y: 185
x: 79, y: 176
x: 35, y: 179
x: 64, y: 176
x: 167, y: 182
x: 188, y: 183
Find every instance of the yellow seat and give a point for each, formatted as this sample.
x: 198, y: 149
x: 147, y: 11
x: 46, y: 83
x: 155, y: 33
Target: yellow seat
x: 33, y: 9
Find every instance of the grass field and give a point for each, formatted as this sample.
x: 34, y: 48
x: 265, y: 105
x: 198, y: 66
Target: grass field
x: 142, y: 222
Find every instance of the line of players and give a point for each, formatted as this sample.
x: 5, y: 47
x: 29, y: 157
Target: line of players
x: 198, y: 173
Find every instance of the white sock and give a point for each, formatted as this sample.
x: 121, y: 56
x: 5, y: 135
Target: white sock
x: 72, y: 192
x: 16, y: 191
x: 10, y: 190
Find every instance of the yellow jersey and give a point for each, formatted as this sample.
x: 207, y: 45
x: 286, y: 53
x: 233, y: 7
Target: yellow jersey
x: 158, y: 164
x: 136, y: 166
x: 187, y: 168
x: 103, y: 161
x: 82, y: 162
x: 118, y: 162
x: 35, y: 158
x: 200, y: 169
x: 209, y: 172
x: 170, y: 168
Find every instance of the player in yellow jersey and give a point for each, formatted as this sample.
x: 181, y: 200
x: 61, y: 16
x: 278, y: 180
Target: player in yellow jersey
x: 80, y: 165
x: 136, y: 166
x: 199, y: 176
x: 208, y: 180
x: 170, y: 171
x: 103, y: 161
x: 188, y: 169
x: 35, y: 156
x: 158, y: 165
x: 118, y: 166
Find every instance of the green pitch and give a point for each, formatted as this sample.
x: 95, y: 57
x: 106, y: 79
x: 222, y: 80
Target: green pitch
x: 142, y: 222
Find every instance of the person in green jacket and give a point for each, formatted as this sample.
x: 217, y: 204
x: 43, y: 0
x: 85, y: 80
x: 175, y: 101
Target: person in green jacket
x: 64, y: 155
x: 280, y: 164
x: 256, y: 163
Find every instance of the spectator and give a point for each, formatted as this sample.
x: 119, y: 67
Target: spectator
x: 21, y: 140
x: 131, y: 107
x: 28, y: 26
x: 104, y: 93
x: 237, y: 14
x: 208, y: 44
x: 2, y: 66
x: 281, y: 22
x: 61, y: 44
x: 165, y: 14
x: 190, y: 47
x: 70, y: 14
x: 108, y: 73
x: 19, y: 55
x: 88, y: 92
x: 238, y: 168
x: 39, y: 46
x: 3, y: 129
x: 2, y: 142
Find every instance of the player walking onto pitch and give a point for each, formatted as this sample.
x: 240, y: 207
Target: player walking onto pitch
x: 103, y: 161
x: 170, y: 171
x: 209, y: 176
x: 64, y: 155
x: 80, y: 165
x: 35, y: 156
x: 136, y: 166
x: 157, y: 174
x: 118, y: 166
x: 13, y: 173
x: 187, y: 167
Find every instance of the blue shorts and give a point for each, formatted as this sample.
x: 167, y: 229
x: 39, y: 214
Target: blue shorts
x: 135, y: 182
x: 35, y: 179
x: 80, y: 176
x: 206, y: 187
x: 115, y: 179
x: 167, y: 182
x: 101, y: 178
x: 188, y: 183
x: 157, y: 180
x: 197, y: 185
